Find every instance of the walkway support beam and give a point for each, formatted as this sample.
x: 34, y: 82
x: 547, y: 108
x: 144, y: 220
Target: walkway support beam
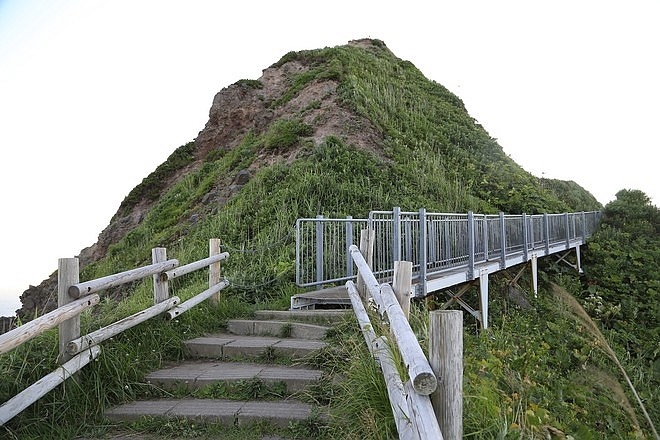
x: 483, y: 297
x: 535, y: 276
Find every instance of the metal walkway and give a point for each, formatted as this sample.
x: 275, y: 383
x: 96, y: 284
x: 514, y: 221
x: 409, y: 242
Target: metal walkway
x: 445, y: 249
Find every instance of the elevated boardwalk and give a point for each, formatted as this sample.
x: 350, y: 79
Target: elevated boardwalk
x: 446, y: 250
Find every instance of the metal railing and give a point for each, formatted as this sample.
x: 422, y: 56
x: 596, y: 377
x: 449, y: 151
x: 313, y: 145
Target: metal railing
x: 433, y: 242
x: 322, y: 249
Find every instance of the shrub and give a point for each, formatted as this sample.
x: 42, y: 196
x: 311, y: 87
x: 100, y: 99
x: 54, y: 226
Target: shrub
x: 285, y: 133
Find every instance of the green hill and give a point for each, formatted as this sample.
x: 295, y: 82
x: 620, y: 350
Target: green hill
x: 341, y: 131
x: 335, y: 131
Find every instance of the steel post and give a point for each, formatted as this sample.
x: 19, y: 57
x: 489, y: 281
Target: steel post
x: 396, y: 234
x: 502, y: 242
x: 422, y: 251
x: 349, y: 242
x: 470, y: 245
x: 525, y: 239
x: 319, y: 251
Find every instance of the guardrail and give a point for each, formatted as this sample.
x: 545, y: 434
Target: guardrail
x: 423, y: 407
x: 76, y: 351
x: 433, y: 242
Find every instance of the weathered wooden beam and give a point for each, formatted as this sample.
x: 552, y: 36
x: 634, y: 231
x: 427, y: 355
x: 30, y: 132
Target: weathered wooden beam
x: 446, y: 356
x: 214, y: 268
x: 188, y: 268
x: 380, y: 349
x: 161, y: 286
x: 102, y: 334
x: 34, y: 392
x: 37, y: 326
x: 80, y: 289
x: 361, y: 314
x: 422, y: 413
x: 192, y: 302
x: 419, y: 370
x: 403, y: 284
x: 367, y: 239
x: 365, y: 275
x: 68, y: 273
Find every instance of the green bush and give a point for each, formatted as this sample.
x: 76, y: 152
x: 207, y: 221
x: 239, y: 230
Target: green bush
x: 285, y: 133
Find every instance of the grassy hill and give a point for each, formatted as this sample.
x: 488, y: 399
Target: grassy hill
x: 335, y: 131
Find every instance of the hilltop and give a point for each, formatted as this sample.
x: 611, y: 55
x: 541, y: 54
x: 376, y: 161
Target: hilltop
x: 384, y: 134
x: 341, y: 131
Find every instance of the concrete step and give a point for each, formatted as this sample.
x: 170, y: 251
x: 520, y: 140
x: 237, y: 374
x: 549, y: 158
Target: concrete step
x: 237, y: 346
x: 310, y: 316
x: 227, y: 412
x: 283, y: 329
x: 330, y: 298
x: 197, y: 374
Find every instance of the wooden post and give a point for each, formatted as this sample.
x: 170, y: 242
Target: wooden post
x: 214, y: 269
x: 161, y: 292
x: 68, y: 273
x: 446, y: 359
x: 403, y: 284
x: 367, y: 238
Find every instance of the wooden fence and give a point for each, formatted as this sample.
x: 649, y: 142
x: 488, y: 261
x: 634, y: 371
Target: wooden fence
x: 429, y: 404
x: 76, y: 351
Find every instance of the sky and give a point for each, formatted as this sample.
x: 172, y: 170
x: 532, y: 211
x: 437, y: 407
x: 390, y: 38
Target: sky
x: 94, y: 95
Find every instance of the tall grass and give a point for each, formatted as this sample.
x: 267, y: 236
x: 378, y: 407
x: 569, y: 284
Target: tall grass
x: 437, y: 157
x: 602, y: 344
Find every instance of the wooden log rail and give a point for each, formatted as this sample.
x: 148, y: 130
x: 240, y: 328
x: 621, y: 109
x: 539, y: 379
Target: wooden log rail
x: 74, y: 297
x: 420, y: 372
x: 417, y: 414
x: 37, y: 326
x: 44, y: 385
x: 118, y: 279
x: 413, y: 412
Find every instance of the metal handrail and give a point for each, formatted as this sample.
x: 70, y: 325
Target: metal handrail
x: 433, y: 242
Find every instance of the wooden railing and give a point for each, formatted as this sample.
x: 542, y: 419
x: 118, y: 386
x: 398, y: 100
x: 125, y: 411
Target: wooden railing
x: 430, y: 402
x: 76, y: 351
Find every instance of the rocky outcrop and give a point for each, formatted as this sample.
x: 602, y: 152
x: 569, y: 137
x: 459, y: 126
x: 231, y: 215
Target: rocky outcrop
x: 243, y: 107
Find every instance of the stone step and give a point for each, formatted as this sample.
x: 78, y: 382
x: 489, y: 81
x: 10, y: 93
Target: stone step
x: 312, y: 316
x: 238, y: 346
x: 197, y: 374
x: 227, y: 412
x: 330, y: 298
x: 283, y: 329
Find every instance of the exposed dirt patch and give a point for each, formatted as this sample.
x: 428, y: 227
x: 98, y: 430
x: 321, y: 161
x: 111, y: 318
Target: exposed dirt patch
x: 237, y: 110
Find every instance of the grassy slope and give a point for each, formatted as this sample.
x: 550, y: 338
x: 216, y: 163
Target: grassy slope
x: 437, y: 157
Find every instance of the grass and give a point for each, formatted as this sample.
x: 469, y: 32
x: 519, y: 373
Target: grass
x: 523, y: 379
x: 523, y: 376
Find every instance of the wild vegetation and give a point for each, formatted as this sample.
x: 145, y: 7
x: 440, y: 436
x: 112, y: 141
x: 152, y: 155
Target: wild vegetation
x: 538, y: 372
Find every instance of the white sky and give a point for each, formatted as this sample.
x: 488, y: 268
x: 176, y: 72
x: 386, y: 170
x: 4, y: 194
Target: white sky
x: 94, y: 95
